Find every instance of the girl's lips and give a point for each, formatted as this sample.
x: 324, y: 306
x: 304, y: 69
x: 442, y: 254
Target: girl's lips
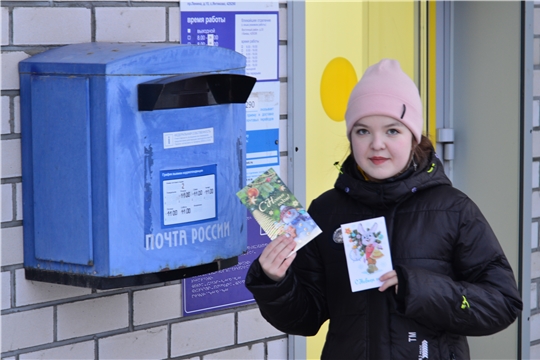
x: 378, y: 160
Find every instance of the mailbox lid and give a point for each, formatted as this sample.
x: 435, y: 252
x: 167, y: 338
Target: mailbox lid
x: 100, y: 58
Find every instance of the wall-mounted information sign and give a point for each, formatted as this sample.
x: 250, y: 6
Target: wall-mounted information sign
x: 189, y: 195
x: 252, y: 29
x: 224, y: 288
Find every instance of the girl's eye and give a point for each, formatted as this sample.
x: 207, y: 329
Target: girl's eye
x: 393, y: 132
x: 361, y: 131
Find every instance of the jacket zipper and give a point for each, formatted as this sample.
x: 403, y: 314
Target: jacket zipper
x: 452, y: 356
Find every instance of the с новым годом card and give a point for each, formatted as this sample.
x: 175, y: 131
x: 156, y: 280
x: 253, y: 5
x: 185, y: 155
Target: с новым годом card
x: 277, y: 210
x: 367, y: 251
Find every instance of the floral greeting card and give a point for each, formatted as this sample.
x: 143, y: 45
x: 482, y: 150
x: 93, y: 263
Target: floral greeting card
x: 367, y: 251
x: 277, y: 210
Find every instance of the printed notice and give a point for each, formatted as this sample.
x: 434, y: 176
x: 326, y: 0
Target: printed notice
x: 188, y: 199
x: 256, y: 40
x: 188, y: 138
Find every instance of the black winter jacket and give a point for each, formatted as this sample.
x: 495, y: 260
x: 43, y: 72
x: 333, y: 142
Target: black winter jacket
x: 443, y: 250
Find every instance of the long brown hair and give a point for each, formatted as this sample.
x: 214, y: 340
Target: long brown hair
x: 422, y: 151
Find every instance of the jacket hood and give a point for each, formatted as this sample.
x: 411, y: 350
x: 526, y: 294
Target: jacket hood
x: 391, y: 191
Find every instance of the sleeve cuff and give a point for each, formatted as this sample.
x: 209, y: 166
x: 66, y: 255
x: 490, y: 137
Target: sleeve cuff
x: 401, y: 287
x: 265, y: 289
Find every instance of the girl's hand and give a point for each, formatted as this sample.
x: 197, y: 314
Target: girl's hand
x: 389, y: 279
x: 274, y: 260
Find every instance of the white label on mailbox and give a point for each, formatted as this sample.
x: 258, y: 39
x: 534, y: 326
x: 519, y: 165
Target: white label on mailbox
x: 189, y: 199
x: 188, y: 138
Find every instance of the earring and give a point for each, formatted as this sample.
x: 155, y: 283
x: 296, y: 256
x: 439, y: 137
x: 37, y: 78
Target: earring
x: 414, y: 163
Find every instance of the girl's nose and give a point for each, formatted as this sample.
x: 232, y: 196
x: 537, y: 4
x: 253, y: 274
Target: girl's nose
x: 377, y: 142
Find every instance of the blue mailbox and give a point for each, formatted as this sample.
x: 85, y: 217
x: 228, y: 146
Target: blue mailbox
x: 132, y: 156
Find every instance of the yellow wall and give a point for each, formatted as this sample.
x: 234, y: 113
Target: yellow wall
x: 333, y: 30
x: 342, y: 40
x: 359, y: 34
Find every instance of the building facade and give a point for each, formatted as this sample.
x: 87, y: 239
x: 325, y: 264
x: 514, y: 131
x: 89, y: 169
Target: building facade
x: 48, y: 321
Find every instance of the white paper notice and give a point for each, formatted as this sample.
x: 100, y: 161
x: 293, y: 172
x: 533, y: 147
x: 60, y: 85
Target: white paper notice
x: 188, y: 138
x: 256, y: 40
x: 189, y: 199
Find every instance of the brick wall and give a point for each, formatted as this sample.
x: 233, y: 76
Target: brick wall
x: 535, y: 232
x: 45, y: 321
x: 48, y: 321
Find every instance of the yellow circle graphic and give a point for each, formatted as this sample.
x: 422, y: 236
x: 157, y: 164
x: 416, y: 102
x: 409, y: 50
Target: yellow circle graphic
x: 338, y: 80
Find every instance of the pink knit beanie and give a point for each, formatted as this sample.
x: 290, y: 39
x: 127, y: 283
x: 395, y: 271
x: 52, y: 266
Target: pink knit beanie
x: 386, y: 90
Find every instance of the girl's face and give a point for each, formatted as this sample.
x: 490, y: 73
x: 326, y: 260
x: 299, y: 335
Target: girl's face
x: 381, y: 146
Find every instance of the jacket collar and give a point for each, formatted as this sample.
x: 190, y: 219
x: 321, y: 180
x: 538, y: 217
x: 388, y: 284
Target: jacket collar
x: 393, y: 190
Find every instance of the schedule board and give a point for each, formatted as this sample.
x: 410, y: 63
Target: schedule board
x: 252, y: 29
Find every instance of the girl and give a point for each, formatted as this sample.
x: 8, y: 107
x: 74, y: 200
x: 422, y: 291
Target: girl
x: 451, y: 278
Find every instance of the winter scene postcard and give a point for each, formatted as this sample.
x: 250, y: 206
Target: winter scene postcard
x: 277, y: 210
x: 367, y: 251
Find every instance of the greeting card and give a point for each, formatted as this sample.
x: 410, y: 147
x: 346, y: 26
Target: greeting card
x: 367, y: 251
x: 277, y: 210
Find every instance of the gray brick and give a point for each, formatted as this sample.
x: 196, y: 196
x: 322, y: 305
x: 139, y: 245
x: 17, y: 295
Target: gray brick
x: 282, y: 24
x: 51, y: 26
x: 11, y: 158
x: 535, y: 352
x: 203, y: 334
x: 277, y: 349
x: 6, y: 127
x: 536, y: 21
x: 156, y: 304
x: 534, y: 235
x: 536, y: 51
x: 144, y: 344
x: 535, y: 265
x: 10, y: 69
x: 5, y: 26
x: 12, y: 245
x: 534, y: 296
x: 282, y: 61
x: 252, y: 326
x: 7, y: 202
x: 536, y: 143
x: 17, y: 114
x: 535, y: 327
x: 536, y: 113
x: 536, y: 174
x: 137, y: 24
x: 6, y: 289
x: 536, y: 204
x: 255, y: 351
x: 174, y: 24
x: 83, y: 350
x: 283, y: 98
x: 27, y: 328
x: 536, y: 83
x: 34, y: 292
x: 18, y: 202
x: 92, y: 316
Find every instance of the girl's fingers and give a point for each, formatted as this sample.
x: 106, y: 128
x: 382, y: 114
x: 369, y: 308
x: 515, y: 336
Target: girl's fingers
x: 276, y: 248
x: 389, y: 279
x: 274, y: 260
x: 388, y: 275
